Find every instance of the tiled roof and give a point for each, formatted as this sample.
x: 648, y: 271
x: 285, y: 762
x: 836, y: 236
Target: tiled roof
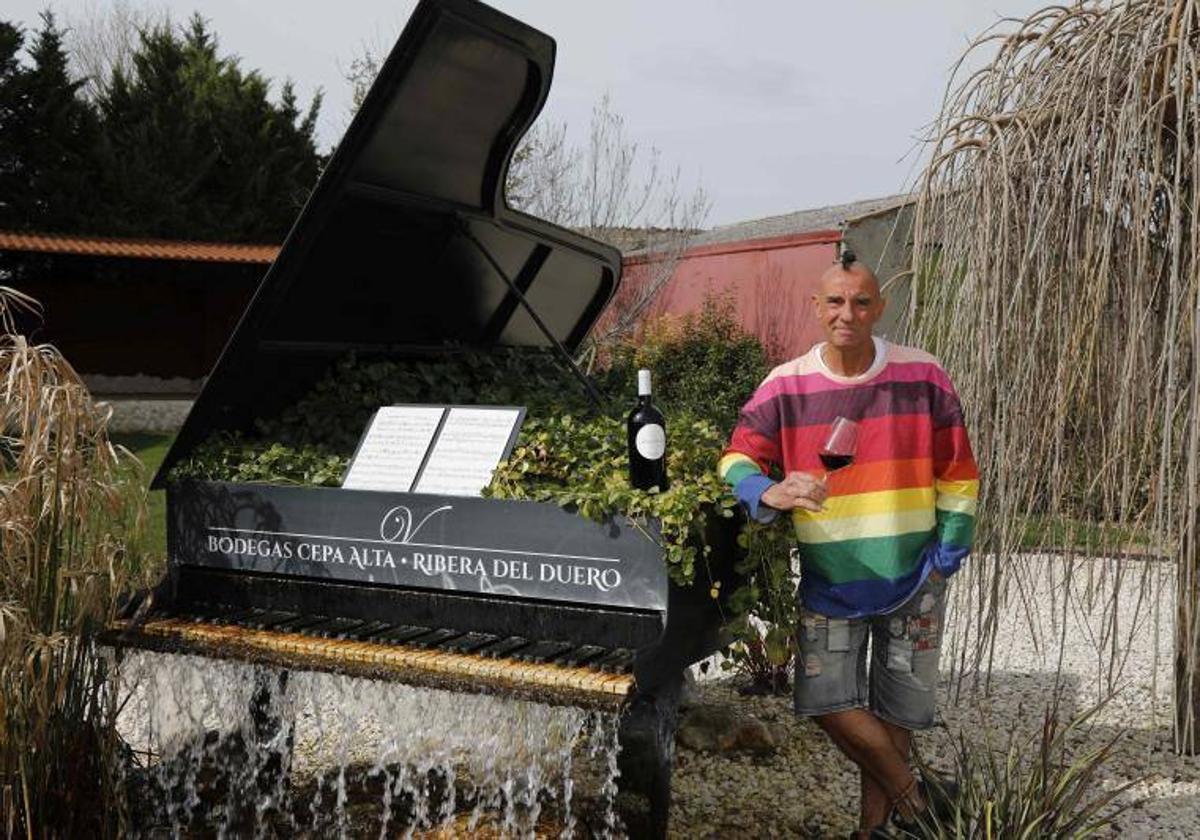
x: 803, y: 221
x: 149, y: 249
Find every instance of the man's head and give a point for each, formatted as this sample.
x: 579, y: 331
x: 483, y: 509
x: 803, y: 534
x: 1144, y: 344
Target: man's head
x: 848, y: 304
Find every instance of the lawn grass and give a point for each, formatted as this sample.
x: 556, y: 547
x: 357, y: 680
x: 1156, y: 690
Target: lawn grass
x: 1084, y: 536
x: 150, y: 448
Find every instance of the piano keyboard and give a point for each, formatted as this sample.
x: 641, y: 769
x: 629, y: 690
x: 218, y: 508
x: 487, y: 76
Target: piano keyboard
x: 555, y: 672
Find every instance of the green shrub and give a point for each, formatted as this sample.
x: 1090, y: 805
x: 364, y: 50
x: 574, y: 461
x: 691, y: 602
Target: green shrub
x: 704, y: 364
x: 311, y: 441
x: 333, y: 414
x: 582, y: 464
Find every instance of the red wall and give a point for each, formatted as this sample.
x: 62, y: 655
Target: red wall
x: 771, y: 282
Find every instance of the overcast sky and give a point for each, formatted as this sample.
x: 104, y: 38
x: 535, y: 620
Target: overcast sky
x: 773, y: 105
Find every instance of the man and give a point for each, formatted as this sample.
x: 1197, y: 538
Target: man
x: 877, y: 538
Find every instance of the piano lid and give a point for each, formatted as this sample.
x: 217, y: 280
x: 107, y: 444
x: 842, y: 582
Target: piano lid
x: 407, y: 241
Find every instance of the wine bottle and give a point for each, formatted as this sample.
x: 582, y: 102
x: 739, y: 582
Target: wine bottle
x: 647, y: 440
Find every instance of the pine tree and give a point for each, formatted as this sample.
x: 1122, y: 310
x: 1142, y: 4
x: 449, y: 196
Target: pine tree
x: 48, y: 135
x: 194, y: 148
x: 11, y: 108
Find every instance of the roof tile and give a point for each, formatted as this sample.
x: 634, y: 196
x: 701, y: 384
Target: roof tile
x: 150, y: 249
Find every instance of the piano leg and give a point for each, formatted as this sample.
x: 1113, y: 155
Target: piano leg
x: 647, y: 755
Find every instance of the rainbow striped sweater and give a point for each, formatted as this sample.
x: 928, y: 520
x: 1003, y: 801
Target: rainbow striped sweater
x: 904, y: 508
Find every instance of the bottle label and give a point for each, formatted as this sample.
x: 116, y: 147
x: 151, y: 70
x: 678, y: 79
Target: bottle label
x: 651, y: 441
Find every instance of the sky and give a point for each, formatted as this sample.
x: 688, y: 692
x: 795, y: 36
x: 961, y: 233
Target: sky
x: 772, y: 106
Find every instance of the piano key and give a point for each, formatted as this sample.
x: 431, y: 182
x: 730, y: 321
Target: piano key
x: 398, y: 635
x: 241, y: 618
x: 269, y: 618
x: 504, y: 647
x: 400, y: 658
x: 194, y: 608
x: 316, y: 629
x: 283, y: 618
x: 370, y: 629
x: 436, y: 638
x: 542, y: 651
x: 193, y: 612
x: 185, y: 616
x: 469, y: 642
x: 298, y: 623
x: 337, y: 628
x: 617, y: 662
x: 580, y: 655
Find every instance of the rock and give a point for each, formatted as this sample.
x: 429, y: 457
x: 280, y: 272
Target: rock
x: 750, y: 735
x: 724, y: 729
x: 689, y: 695
x: 695, y: 737
x: 780, y: 733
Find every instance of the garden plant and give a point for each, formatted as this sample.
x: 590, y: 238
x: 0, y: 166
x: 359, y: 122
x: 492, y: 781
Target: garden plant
x: 69, y: 524
x: 1056, y: 272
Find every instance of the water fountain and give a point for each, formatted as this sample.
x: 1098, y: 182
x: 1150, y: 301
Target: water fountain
x: 330, y: 754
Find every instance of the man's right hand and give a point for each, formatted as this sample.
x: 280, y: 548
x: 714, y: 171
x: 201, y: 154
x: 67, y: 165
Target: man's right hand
x: 798, y: 490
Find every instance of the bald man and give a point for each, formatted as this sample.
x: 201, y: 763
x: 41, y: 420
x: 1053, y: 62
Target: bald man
x: 877, y: 538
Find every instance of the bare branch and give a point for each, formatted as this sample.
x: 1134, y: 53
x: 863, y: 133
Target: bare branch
x: 101, y: 39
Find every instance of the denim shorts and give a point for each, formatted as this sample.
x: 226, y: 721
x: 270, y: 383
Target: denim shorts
x: 900, y: 686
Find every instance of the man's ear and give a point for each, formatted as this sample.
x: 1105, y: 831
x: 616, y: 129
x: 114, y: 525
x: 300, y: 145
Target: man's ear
x: 816, y: 306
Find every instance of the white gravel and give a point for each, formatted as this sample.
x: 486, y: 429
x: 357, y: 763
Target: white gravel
x: 809, y: 790
x: 160, y: 414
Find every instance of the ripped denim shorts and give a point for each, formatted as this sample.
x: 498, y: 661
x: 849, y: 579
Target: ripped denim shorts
x: 901, y: 684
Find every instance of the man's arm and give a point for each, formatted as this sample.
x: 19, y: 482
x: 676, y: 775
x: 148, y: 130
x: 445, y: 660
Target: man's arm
x: 745, y: 464
x: 956, y: 482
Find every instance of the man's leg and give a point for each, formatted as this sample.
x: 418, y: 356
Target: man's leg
x: 880, y: 749
x: 903, y: 683
x: 831, y: 687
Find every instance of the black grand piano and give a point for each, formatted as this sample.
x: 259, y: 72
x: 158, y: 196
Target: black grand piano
x: 405, y: 250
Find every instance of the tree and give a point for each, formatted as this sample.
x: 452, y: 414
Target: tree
x: 194, y: 148
x: 48, y: 134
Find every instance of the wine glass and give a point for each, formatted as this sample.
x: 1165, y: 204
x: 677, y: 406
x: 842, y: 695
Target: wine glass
x: 838, y: 450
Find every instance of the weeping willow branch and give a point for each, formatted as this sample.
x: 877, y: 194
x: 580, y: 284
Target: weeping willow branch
x: 1056, y: 271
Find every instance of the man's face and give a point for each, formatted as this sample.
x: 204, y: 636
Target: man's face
x: 848, y: 305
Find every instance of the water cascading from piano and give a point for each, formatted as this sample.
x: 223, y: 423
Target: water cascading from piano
x: 363, y: 755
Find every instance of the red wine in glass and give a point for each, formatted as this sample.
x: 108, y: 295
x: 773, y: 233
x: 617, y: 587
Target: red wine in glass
x: 838, y: 451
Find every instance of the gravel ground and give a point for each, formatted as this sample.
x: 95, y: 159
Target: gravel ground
x: 808, y: 790
x: 160, y: 414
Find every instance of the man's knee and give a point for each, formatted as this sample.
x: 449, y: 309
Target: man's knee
x: 841, y: 722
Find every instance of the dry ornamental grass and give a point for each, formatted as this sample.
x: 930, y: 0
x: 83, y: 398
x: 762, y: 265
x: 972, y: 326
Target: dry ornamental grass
x: 65, y: 512
x: 1056, y: 271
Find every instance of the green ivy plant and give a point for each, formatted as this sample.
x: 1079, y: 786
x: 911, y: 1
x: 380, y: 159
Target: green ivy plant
x: 233, y: 456
x: 582, y: 464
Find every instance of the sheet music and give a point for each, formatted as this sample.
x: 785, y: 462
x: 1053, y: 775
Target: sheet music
x: 467, y: 451
x: 393, y: 448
